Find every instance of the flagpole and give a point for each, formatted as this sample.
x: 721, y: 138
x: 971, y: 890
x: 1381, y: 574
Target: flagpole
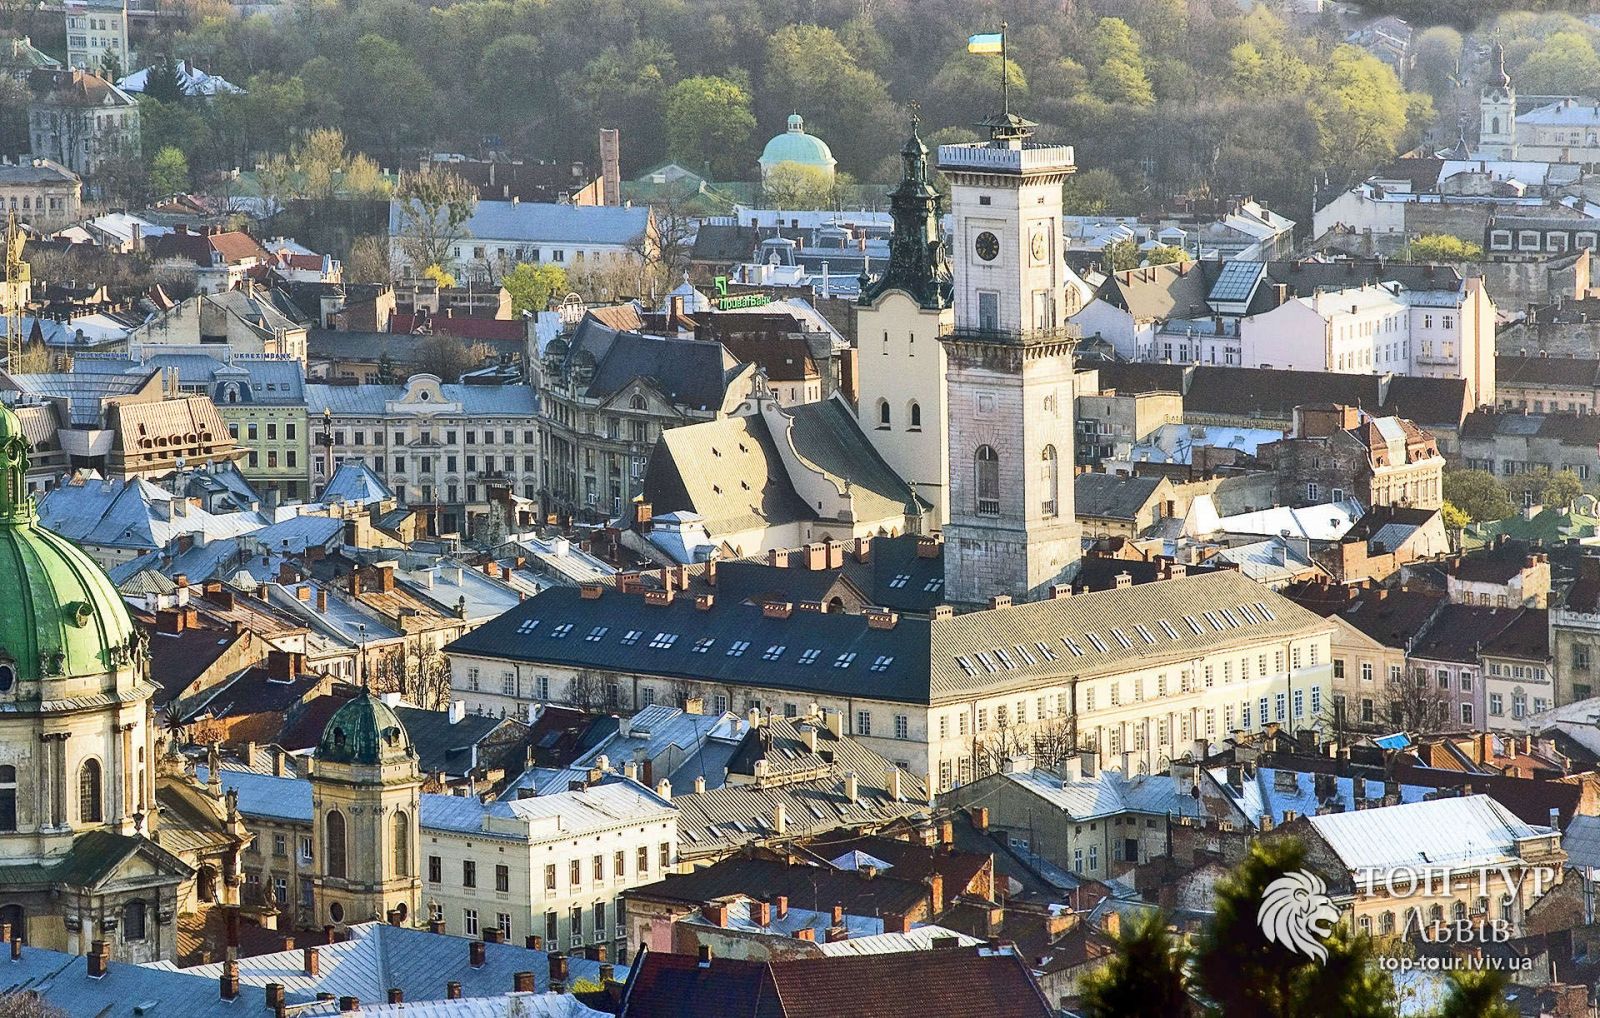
x: 1005, y: 88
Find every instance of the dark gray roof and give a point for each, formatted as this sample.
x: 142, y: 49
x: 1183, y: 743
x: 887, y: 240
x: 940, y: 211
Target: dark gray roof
x: 1273, y: 393
x: 922, y: 660
x: 1113, y: 497
x: 443, y: 746
x: 690, y: 372
x: 827, y: 434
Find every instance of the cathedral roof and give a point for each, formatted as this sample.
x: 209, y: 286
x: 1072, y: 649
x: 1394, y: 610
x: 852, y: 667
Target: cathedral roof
x: 63, y: 617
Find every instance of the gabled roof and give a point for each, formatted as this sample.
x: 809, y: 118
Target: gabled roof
x: 63, y: 981
x: 689, y: 372
x: 1460, y: 832
x: 1113, y: 496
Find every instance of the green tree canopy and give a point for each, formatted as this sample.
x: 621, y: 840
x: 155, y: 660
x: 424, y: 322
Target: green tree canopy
x: 169, y: 172
x: 809, y: 70
x: 1443, y: 247
x: 1566, y: 64
x: 1122, y: 76
x: 1478, y: 494
x: 1241, y: 973
x: 967, y: 88
x: 708, y: 125
x: 531, y: 286
x: 1144, y: 978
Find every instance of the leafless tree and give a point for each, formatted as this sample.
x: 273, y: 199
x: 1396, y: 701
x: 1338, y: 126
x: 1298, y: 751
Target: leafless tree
x: 587, y: 691
x: 991, y: 750
x: 1411, y: 704
x: 28, y: 1004
x: 1054, y: 740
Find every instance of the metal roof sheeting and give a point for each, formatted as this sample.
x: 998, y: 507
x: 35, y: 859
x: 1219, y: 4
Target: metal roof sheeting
x: 1462, y: 832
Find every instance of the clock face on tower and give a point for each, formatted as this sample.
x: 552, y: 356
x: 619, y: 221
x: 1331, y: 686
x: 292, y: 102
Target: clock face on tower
x: 987, y: 246
x: 1039, y: 246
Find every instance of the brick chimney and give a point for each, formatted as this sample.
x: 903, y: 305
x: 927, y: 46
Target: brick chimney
x: 522, y: 982
x: 99, y: 958
x: 397, y: 995
x: 275, y: 997
x: 715, y: 914
x: 452, y: 990
x: 311, y: 963
x: 229, y: 979
x: 349, y: 1005
x: 475, y: 954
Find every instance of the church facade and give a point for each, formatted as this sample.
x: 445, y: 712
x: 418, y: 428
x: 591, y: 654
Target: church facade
x: 79, y: 863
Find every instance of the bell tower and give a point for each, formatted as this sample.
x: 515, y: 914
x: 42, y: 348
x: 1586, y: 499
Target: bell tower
x: 1497, y: 134
x: 365, y: 792
x: 1012, y: 527
x: 900, y: 315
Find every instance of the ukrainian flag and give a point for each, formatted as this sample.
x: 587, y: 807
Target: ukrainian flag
x: 992, y: 43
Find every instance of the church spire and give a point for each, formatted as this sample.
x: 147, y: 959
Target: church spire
x: 16, y: 504
x: 1500, y: 79
x: 916, y: 249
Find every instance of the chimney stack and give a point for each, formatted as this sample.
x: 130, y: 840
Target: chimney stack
x: 230, y: 979
x: 397, y: 995
x: 475, y: 954
x: 312, y: 964
x: 452, y: 990
x: 99, y: 958
x: 522, y: 982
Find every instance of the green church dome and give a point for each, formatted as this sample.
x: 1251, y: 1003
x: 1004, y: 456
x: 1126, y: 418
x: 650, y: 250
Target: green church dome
x: 796, y: 146
x: 364, y: 731
x: 62, y: 616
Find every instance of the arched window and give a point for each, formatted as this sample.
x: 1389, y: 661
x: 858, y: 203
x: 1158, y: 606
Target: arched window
x: 8, y: 798
x: 1508, y: 907
x: 637, y: 402
x: 914, y: 416
x: 1436, y: 913
x: 883, y: 413
x: 1494, y: 125
x: 89, y: 791
x: 333, y: 850
x: 1049, y: 478
x: 1458, y: 910
x: 986, y: 480
x: 402, y: 844
x: 1386, y: 923
x: 133, y: 920
x: 14, y: 917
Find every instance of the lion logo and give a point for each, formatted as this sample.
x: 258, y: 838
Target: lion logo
x: 1297, y: 913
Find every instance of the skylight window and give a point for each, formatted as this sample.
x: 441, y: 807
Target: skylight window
x: 702, y: 645
x: 664, y: 640
x: 1144, y: 634
x: 809, y: 656
x: 1266, y: 612
x: 900, y: 580
x: 1003, y: 657
x: 528, y: 626
x: 631, y: 637
x: 1024, y: 653
x: 1077, y: 651
x: 883, y: 662
x: 1099, y: 644
x: 1121, y: 638
x: 933, y: 584
x: 738, y: 647
x: 560, y: 632
x: 596, y: 633
x: 966, y: 665
x: 1045, y: 651
x: 1194, y: 624
x: 774, y: 652
x: 1230, y: 617
x: 1166, y: 627
x: 987, y: 661
x: 1249, y: 614
x: 844, y: 660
